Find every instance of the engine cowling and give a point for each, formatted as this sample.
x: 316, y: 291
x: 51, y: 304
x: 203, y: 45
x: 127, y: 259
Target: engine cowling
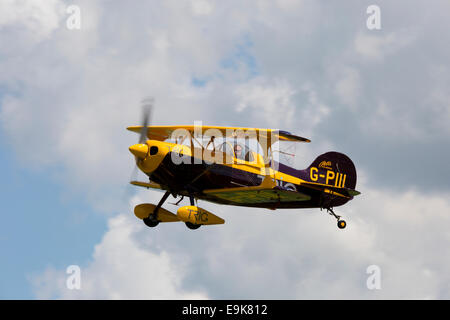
x: 197, y: 215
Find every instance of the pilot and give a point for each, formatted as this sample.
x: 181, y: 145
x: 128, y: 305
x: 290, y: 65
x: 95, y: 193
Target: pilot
x: 238, y: 152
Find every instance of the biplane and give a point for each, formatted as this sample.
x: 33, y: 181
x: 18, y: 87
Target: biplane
x: 217, y: 164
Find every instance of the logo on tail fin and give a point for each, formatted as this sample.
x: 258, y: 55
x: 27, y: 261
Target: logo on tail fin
x: 325, y: 165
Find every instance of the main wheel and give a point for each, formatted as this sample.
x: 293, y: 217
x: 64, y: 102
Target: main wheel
x: 150, y: 222
x: 341, y: 224
x: 192, y: 226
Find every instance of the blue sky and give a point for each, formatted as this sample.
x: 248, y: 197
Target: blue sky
x: 42, y: 225
x: 308, y: 67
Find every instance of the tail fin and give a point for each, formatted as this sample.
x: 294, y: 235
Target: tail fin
x: 334, y: 169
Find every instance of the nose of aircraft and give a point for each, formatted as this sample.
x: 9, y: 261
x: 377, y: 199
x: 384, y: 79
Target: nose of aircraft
x: 140, y: 150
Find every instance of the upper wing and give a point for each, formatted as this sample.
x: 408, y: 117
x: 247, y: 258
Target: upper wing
x: 162, y: 133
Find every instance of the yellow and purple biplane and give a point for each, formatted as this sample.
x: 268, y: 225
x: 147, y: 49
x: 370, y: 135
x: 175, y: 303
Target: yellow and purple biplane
x: 216, y: 164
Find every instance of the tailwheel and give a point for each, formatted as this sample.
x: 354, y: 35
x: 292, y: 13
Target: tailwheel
x: 341, y: 224
x: 192, y: 226
x: 150, y: 221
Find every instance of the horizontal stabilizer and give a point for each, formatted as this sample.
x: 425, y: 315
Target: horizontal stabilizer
x: 343, y: 192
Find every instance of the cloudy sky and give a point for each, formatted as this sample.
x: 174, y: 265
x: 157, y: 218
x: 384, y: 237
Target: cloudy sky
x: 313, y: 68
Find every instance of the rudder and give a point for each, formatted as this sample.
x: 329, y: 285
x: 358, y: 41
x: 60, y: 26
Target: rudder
x: 334, y: 169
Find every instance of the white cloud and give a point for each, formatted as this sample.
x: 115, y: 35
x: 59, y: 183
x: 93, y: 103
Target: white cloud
x: 120, y: 269
x: 274, y: 254
x: 270, y: 102
x: 290, y: 4
x: 40, y: 17
x: 67, y: 96
x: 348, y: 87
x: 314, y: 111
x: 374, y: 46
x: 202, y: 7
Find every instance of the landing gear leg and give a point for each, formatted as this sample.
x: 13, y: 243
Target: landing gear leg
x: 340, y: 223
x: 152, y: 220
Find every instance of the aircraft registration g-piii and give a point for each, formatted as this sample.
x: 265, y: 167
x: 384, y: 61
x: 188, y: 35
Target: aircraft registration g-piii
x: 179, y: 163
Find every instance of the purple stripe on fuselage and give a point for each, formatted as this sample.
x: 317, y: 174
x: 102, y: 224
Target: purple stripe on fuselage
x: 302, y: 174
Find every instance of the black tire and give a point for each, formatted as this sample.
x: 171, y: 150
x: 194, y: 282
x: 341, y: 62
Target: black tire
x: 341, y: 224
x: 149, y: 222
x: 192, y: 226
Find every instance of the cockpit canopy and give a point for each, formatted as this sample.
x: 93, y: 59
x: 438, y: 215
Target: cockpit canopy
x: 237, y: 150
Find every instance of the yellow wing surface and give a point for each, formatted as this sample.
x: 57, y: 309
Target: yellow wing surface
x: 162, y: 133
x: 147, y: 185
x: 266, y: 194
x: 245, y: 195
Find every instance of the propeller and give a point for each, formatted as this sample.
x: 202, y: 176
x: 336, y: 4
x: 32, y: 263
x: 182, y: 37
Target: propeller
x: 140, y: 149
x: 147, y: 107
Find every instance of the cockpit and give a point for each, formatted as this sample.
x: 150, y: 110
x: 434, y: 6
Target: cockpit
x: 237, y: 150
